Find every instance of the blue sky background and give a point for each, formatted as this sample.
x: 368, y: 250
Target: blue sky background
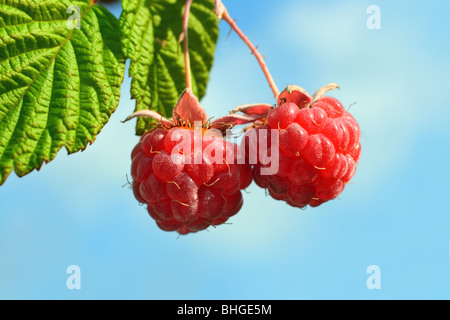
x: 394, y: 214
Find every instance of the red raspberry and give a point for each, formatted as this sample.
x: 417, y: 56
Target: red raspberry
x: 185, y: 177
x: 319, y: 147
x: 186, y: 197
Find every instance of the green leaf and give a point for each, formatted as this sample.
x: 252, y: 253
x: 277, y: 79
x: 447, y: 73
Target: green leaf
x: 59, y: 85
x: 150, y: 31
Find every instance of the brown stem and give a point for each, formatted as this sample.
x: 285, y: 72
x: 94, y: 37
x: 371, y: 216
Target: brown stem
x: 222, y: 12
x: 184, y: 37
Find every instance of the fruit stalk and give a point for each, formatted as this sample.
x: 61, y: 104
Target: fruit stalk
x: 222, y: 12
x: 185, y: 38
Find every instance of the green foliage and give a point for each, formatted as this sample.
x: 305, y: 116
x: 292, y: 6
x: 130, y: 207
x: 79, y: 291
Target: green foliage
x: 58, y: 85
x: 150, y: 31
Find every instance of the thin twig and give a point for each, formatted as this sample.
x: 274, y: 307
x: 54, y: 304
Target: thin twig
x: 184, y: 37
x: 222, y: 12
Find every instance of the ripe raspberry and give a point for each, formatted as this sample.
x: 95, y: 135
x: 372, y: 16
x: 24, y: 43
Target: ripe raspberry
x: 184, y: 176
x: 319, y: 147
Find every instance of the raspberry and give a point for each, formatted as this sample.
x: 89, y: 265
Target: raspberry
x: 188, y: 189
x: 319, y: 147
x: 186, y: 197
